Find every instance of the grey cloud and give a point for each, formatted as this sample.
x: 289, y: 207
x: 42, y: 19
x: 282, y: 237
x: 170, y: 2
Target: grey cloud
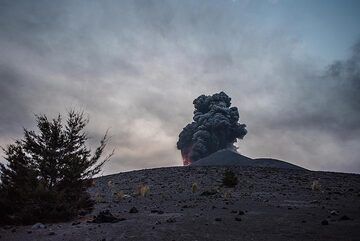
x: 136, y: 66
x: 329, y: 102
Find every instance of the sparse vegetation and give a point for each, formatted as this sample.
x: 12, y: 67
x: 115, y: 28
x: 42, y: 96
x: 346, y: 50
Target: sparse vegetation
x: 316, y: 186
x: 229, y: 179
x: 143, y: 190
x: 119, y: 195
x: 47, y: 172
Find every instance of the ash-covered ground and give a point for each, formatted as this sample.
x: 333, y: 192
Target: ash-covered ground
x: 267, y: 204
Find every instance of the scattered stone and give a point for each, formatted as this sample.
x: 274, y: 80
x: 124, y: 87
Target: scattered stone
x: 344, y: 218
x: 241, y: 213
x: 51, y: 233
x: 38, y: 226
x: 218, y: 219
x: 171, y: 220
x: 208, y: 193
x: 234, y: 211
x: 157, y: 211
x: 106, y: 217
x: 13, y: 230
x: 29, y: 231
x: 75, y: 223
x: 238, y: 219
x: 324, y: 222
x: 334, y: 213
x: 83, y: 212
x: 133, y: 210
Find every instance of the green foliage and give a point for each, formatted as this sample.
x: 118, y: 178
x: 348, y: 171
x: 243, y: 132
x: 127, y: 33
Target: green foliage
x: 47, y: 172
x: 229, y: 179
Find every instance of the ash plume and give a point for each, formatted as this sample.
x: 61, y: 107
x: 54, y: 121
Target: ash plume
x: 216, y: 126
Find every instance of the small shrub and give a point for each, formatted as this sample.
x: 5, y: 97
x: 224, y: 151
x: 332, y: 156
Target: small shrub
x: 229, y: 179
x: 48, y: 171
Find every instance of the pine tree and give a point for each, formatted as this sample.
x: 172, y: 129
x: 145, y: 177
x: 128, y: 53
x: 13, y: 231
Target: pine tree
x: 48, y: 171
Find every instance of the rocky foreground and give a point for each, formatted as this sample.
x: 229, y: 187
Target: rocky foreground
x: 190, y: 203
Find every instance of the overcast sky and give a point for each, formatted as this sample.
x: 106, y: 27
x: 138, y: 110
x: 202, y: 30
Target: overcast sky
x: 291, y: 67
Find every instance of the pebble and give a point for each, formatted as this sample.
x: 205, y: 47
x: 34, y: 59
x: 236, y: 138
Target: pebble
x: 38, y: 226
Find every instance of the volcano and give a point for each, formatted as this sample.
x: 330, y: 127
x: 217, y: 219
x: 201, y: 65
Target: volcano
x: 227, y: 157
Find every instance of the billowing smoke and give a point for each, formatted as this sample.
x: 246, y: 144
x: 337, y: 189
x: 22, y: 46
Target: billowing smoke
x: 216, y: 126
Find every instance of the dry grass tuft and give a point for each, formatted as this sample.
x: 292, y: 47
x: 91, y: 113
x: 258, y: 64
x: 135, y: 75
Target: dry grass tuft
x: 194, y: 187
x: 143, y: 190
x: 316, y: 186
x: 99, y: 198
x: 119, y: 195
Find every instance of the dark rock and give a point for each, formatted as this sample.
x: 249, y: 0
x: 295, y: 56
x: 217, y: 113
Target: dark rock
x: 218, y: 219
x: 334, y: 213
x: 157, y: 211
x: 241, y: 213
x: 75, y: 223
x: 106, y: 217
x: 344, y: 218
x: 208, y: 193
x: 38, y: 226
x: 7, y: 227
x: 52, y: 233
x: 324, y: 222
x: 133, y: 210
x: 83, y: 212
x: 171, y: 220
x: 238, y: 219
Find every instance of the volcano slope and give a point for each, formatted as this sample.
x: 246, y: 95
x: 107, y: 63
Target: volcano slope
x: 228, y: 157
x: 190, y: 203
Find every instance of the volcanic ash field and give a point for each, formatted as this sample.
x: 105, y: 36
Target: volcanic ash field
x: 190, y: 203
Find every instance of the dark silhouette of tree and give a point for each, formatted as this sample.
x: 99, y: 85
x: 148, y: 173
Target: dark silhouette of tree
x: 48, y: 172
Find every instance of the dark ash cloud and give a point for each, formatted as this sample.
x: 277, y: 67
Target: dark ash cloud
x: 215, y: 127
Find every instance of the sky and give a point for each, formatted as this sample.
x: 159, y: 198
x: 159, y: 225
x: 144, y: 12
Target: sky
x: 291, y: 67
